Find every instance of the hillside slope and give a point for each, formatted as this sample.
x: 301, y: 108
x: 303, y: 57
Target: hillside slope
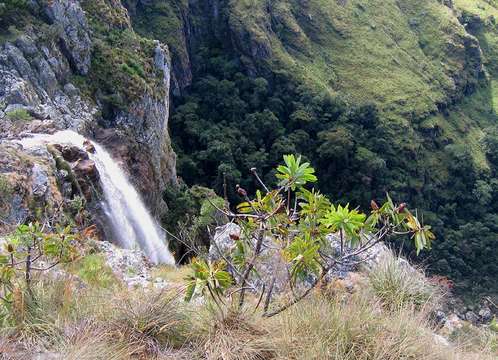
x: 380, y: 95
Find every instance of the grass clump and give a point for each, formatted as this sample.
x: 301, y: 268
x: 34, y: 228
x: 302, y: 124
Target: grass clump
x: 233, y: 335
x: 469, y: 338
x: 75, y: 322
x: 398, y: 285
x: 150, y: 321
x: 87, y: 342
x: 355, y: 328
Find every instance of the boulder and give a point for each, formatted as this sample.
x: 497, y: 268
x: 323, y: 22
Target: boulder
x: 89, y: 147
x: 73, y: 153
x: 86, y: 169
x: 485, y: 315
x: 39, y: 182
x: 471, y: 316
x: 452, y: 323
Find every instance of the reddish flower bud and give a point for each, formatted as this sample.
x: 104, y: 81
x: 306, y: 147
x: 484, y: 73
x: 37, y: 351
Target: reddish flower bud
x: 374, y: 205
x: 401, y: 208
x: 240, y: 191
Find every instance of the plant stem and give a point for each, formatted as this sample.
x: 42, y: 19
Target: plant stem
x: 302, y: 296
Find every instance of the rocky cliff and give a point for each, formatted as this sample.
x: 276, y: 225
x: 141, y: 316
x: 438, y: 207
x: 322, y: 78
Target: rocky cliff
x: 59, y: 70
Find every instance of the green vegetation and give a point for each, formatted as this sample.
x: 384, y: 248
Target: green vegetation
x: 191, y: 217
x: 19, y: 115
x: 373, y: 95
x: 12, y: 13
x: 6, y: 193
x: 398, y: 285
x: 93, y: 270
x: 92, y: 323
x: 82, y: 317
x: 229, y: 122
x: 297, y: 221
x: 26, y: 249
x: 122, y: 62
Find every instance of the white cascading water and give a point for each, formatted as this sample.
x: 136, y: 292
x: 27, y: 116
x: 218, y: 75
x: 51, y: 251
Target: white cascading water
x: 131, y: 222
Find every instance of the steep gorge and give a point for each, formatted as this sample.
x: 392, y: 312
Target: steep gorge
x: 381, y: 96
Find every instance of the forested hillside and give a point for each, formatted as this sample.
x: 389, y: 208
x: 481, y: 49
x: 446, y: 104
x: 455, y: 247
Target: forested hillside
x: 379, y: 95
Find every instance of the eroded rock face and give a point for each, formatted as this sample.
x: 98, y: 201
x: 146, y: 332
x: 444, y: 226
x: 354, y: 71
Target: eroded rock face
x: 75, y: 36
x: 38, y: 94
x: 35, y: 84
x: 29, y: 184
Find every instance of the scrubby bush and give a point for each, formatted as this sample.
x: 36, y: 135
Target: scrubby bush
x: 94, y: 271
x: 297, y: 221
x: 19, y: 115
x: 6, y: 193
x: 28, y: 251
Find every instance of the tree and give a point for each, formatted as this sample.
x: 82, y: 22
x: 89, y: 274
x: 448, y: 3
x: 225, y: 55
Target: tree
x: 28, y: 250
x: 297, y: 222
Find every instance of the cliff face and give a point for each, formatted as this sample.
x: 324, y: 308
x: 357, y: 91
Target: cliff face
x: 51, y: 72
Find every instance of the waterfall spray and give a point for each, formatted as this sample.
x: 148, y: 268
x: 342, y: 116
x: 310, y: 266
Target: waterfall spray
x: 131, y: 223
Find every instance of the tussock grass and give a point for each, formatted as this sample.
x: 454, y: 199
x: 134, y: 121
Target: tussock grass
x: 148, y: 320
x: 75, y: 322
x: 355, y: 328
x: 89, y: 342
x: 470, y: 338
x: 233, y: 335
x: 399, y: 285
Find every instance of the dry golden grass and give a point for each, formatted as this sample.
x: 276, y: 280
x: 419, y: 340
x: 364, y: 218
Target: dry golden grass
x: 233, y: 335
x: 355, y: 328
x: 76, y: 322
x: 171, y: 274
x: 399, y: 285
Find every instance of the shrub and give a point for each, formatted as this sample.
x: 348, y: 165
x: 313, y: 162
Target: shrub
x: 297, y: 222
x: 19, y: 115
x: 399, y: 285
x: 30, y: 250
x: 93, y: 270
x: 6, y: 193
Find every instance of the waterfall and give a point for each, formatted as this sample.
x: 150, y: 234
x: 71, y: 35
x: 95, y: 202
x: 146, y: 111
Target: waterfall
x: 131, y: 223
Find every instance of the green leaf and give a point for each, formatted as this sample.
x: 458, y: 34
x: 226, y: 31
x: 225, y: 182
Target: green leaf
x: 294, y: 174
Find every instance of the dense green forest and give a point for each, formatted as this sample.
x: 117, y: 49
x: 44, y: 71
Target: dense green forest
x: 233, y: 117
x: 229, y: 122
